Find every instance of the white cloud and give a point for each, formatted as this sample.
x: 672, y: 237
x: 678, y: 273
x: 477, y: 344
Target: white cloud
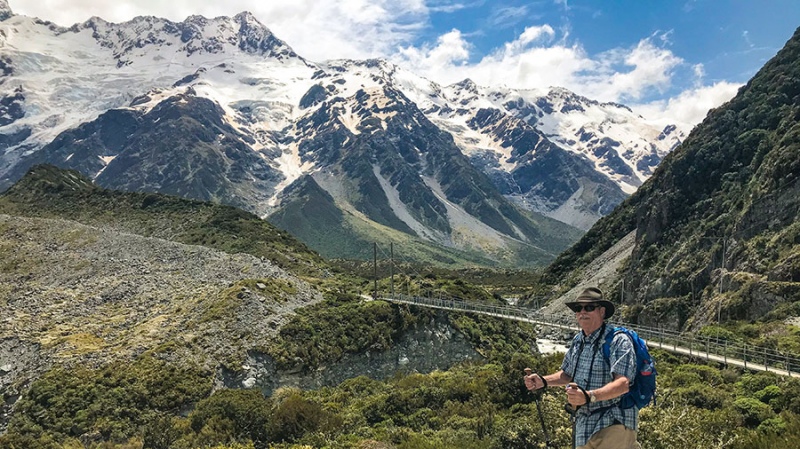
x: 447, y: 7
x: 532, y: 61
x: 451, y: 50
x: 508, y: 16
x: 689, y: 107
x: 699, y: 71
x: 622, y: 75
x: 529, y: 36
x: 533, y: 66
x: 746, y: 37
x: 651, y: 68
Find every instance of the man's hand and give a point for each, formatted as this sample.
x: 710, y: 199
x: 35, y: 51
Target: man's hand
x: 575, y: 395
x: 533, y: 381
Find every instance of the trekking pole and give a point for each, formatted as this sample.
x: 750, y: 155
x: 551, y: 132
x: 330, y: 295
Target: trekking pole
x: 537, y: 397
x: 573, y: 418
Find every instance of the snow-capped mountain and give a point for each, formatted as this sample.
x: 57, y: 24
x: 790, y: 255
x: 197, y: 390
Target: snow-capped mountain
x: 521, y: 138
x: 221, y: 109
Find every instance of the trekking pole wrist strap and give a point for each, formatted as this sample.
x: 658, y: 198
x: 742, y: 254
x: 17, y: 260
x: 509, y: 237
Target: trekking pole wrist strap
x: 544, y: 381
x: 585, y: 394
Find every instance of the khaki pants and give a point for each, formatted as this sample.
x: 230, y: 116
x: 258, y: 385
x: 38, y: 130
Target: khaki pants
x: 613, y: 437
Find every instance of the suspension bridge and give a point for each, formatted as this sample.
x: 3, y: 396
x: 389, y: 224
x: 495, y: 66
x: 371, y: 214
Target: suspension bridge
x: 711, y: 349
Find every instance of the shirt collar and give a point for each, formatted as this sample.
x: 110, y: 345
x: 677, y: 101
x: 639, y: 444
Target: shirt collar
x: 591, y: 338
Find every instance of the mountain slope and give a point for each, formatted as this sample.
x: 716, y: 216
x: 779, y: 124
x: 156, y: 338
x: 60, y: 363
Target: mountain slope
x: 50, y: 192
x: 79, y: 290
x: 604, y: 151
x: 716, y: 225
x: 342, y: 232
x: 180, y: 147
x: 392, y: 166
x: 220, y: 109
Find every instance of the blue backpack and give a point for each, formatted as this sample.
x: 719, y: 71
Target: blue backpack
x: 643, y: 388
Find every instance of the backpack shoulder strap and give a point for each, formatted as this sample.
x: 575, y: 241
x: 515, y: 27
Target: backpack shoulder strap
x: 609, y: 337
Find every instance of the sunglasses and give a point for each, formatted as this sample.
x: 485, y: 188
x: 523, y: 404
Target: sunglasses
x: 588, y: 307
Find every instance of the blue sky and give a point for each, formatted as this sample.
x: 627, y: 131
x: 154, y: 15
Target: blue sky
x: 669, y: 60
x: 731, y: 39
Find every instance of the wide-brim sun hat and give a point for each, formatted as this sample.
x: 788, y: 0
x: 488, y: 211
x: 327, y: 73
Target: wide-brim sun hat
x: 594, y: 295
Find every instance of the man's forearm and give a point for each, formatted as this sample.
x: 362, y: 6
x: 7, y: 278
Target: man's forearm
x: 557, y: 379
x: 613, y: 389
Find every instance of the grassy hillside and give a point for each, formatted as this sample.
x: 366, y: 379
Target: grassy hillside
x: 50, y: 192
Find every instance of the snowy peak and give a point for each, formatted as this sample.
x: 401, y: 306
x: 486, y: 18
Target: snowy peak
x: 196, y: 34
x: 526, y: 140
x: 622, y: 145
x: 466, y: 86
x: 183, y: 146
x: 502, y: 129
x: 347, y: 76
x: 5, y: 10
x: 253, y: 37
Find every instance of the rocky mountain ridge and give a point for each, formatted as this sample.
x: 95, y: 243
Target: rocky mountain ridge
x: 262, y: 118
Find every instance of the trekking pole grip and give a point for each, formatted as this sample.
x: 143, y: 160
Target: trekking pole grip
x: 528, y: 372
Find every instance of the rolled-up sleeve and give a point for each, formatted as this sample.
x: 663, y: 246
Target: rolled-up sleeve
x: 623, y: 357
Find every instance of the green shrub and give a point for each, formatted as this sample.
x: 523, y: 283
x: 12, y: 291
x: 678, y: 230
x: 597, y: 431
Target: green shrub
x: 675, y: 425
x: 238, y: 415
x: 753, y: 411
x: 522, y: 433
x: 781, y: 432
x: 294, y: 416
x: 161, y: 431
x: 25, y: 440
x: 679, y: 378
x: 769, y: 394
x: 686, y: 374
x: 114, y: 400
x: 234, y: 446
x: 776, y: 425
x: 701, y: 396
x: 324, y: 332
x: 749, y: 384
x: 717, y: 332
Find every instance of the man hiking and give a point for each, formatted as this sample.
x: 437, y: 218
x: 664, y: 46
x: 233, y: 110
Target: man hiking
x: 594, y: 383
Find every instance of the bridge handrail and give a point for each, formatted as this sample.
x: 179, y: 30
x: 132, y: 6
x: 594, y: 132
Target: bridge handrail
x: 656, y: 337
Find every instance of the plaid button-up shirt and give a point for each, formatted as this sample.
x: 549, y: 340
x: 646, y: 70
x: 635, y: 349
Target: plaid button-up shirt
x: 587, y: 366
